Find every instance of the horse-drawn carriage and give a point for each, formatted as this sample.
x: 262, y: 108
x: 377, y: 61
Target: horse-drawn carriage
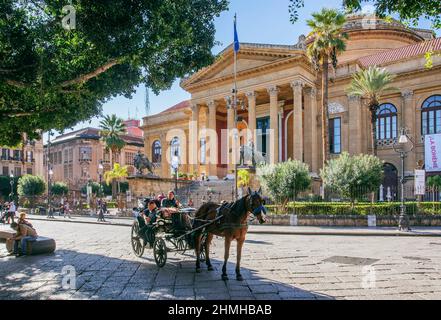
x: 170, y: 233
x: 229, y: 221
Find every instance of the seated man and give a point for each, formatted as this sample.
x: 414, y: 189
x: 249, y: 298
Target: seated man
x: 171, y: 201
x: 23, y: 235
x: 150, y: 216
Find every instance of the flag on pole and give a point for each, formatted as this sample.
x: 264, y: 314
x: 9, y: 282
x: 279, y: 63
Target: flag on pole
x: 236, y: 38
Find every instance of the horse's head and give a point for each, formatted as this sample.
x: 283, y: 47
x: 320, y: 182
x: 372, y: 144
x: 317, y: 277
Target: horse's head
x: 256, y: 205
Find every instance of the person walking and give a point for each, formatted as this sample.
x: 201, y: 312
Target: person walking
x: 102, y: 211
x: 66, y: 210
x: 11, y: 212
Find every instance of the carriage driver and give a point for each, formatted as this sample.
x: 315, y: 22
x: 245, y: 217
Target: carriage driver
x: 151, y: 214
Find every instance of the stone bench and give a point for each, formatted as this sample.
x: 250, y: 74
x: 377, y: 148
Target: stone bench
x: 4, y: 234
x: 40, y: 246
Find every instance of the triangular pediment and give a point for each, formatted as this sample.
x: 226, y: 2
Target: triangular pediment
x: 251, y: 57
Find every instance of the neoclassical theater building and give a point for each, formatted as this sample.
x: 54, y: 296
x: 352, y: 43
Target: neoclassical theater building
x: 279, y: 94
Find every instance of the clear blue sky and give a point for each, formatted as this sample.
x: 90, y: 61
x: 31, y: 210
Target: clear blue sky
x: 259, y: 21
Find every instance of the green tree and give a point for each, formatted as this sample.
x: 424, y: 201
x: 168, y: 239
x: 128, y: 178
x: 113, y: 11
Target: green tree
x: 116, y: 174
x: 30, y: 187
x: 97, y: 189
x: 59, y: 189
x: 53, y: 76
x: 407, y: 10
x: 353, y: 176
x: 244, y: 178
x: 327, y: 41
x: 434, y: 182
x: 372, y: 84
x: 112, y: 128
x: 284, y: 181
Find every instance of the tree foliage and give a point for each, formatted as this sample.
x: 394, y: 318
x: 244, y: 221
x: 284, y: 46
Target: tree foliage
x: 407, y: 10
x: 284, y: 181
x: 31, y: 186
x: 434, y: 182
x: 353, y: 176
x: 372, y: 84
x: 59, y: 189
x: 97, y: 189
x: 52, y: 77
x: 112, y: 128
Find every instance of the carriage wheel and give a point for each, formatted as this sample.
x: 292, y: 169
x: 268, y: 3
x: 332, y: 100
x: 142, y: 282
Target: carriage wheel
x: 137, y: 242
x: 202, y: 257
x: 160, y: 252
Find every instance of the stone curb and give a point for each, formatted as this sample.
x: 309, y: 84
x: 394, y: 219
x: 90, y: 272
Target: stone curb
x: 278, y: 232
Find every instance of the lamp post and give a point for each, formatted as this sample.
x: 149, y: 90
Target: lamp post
x: 175, y: 166
x: 11, y: 182
x: 403, y: 147
x: 100, y: 175
x: 49, y: 192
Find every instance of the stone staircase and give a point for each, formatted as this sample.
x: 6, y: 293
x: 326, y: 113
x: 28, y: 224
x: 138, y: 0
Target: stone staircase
x: 205, y: 191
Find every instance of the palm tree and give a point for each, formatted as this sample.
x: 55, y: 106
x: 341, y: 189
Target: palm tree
x: 116, y: 174
x: 327, y: 41
x: 112, y: 128
x: 371, y: 84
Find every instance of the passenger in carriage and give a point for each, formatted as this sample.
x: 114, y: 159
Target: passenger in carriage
x: 171, y: 201
x: 151, y: 215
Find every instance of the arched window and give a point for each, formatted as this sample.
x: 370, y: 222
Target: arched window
x: 386, y: 122
x: 156, y: 152
x: 175, y: 148
x: 431, y: 115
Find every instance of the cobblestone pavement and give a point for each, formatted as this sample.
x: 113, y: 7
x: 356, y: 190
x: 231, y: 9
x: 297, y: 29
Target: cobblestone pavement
x: 274, y: 267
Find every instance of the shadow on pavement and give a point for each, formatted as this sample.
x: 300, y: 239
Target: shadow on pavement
x: 99, y: 277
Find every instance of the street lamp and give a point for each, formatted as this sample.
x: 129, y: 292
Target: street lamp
x: 100, y: 174
x: 175, y: 166
x: 11, y: 182
x: 49, y: 191
x: 403, y: 147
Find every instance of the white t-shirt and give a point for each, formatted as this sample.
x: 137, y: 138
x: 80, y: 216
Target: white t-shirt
x: 12, y: 207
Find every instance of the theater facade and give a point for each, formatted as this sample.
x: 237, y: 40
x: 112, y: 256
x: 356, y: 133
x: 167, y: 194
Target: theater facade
x: 279, y: 95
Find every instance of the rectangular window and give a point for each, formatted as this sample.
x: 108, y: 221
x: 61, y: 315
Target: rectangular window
x: 394, y: 127
x: 66, y: 172
x: 388, y: 128
x: 60, y: 159
x: 16, y: 156
x: 335, y: 135
x: 70, y: 155
x: 203, y: 151
x: 85, y: 153
x: 6, y: 171
x: 5, y: 154
x: 66, y: 156
x: 29, y: 171
x: 17, y: 172
x: 130, y: 158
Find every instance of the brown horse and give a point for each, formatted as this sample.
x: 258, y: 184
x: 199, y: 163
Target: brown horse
x: 231, y: 223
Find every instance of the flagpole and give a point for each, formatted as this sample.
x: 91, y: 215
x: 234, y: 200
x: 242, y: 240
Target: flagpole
x: 235, y: 111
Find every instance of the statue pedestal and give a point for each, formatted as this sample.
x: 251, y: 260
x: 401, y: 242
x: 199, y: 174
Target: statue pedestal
x: 147, y: 185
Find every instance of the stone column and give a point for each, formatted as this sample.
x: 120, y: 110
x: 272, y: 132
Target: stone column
x: 252, y: 115
x: 230, y: 126
x: 355, y: 117
x: 194, y: 139
x: 212, y: 142
x: 165, y: 148
x: 274, y: 124
x: 408, y: 112
x: 298, y: 120
x: 315, y: 150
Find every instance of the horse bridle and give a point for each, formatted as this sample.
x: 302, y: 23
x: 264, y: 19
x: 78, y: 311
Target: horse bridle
x: 256, y: 211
